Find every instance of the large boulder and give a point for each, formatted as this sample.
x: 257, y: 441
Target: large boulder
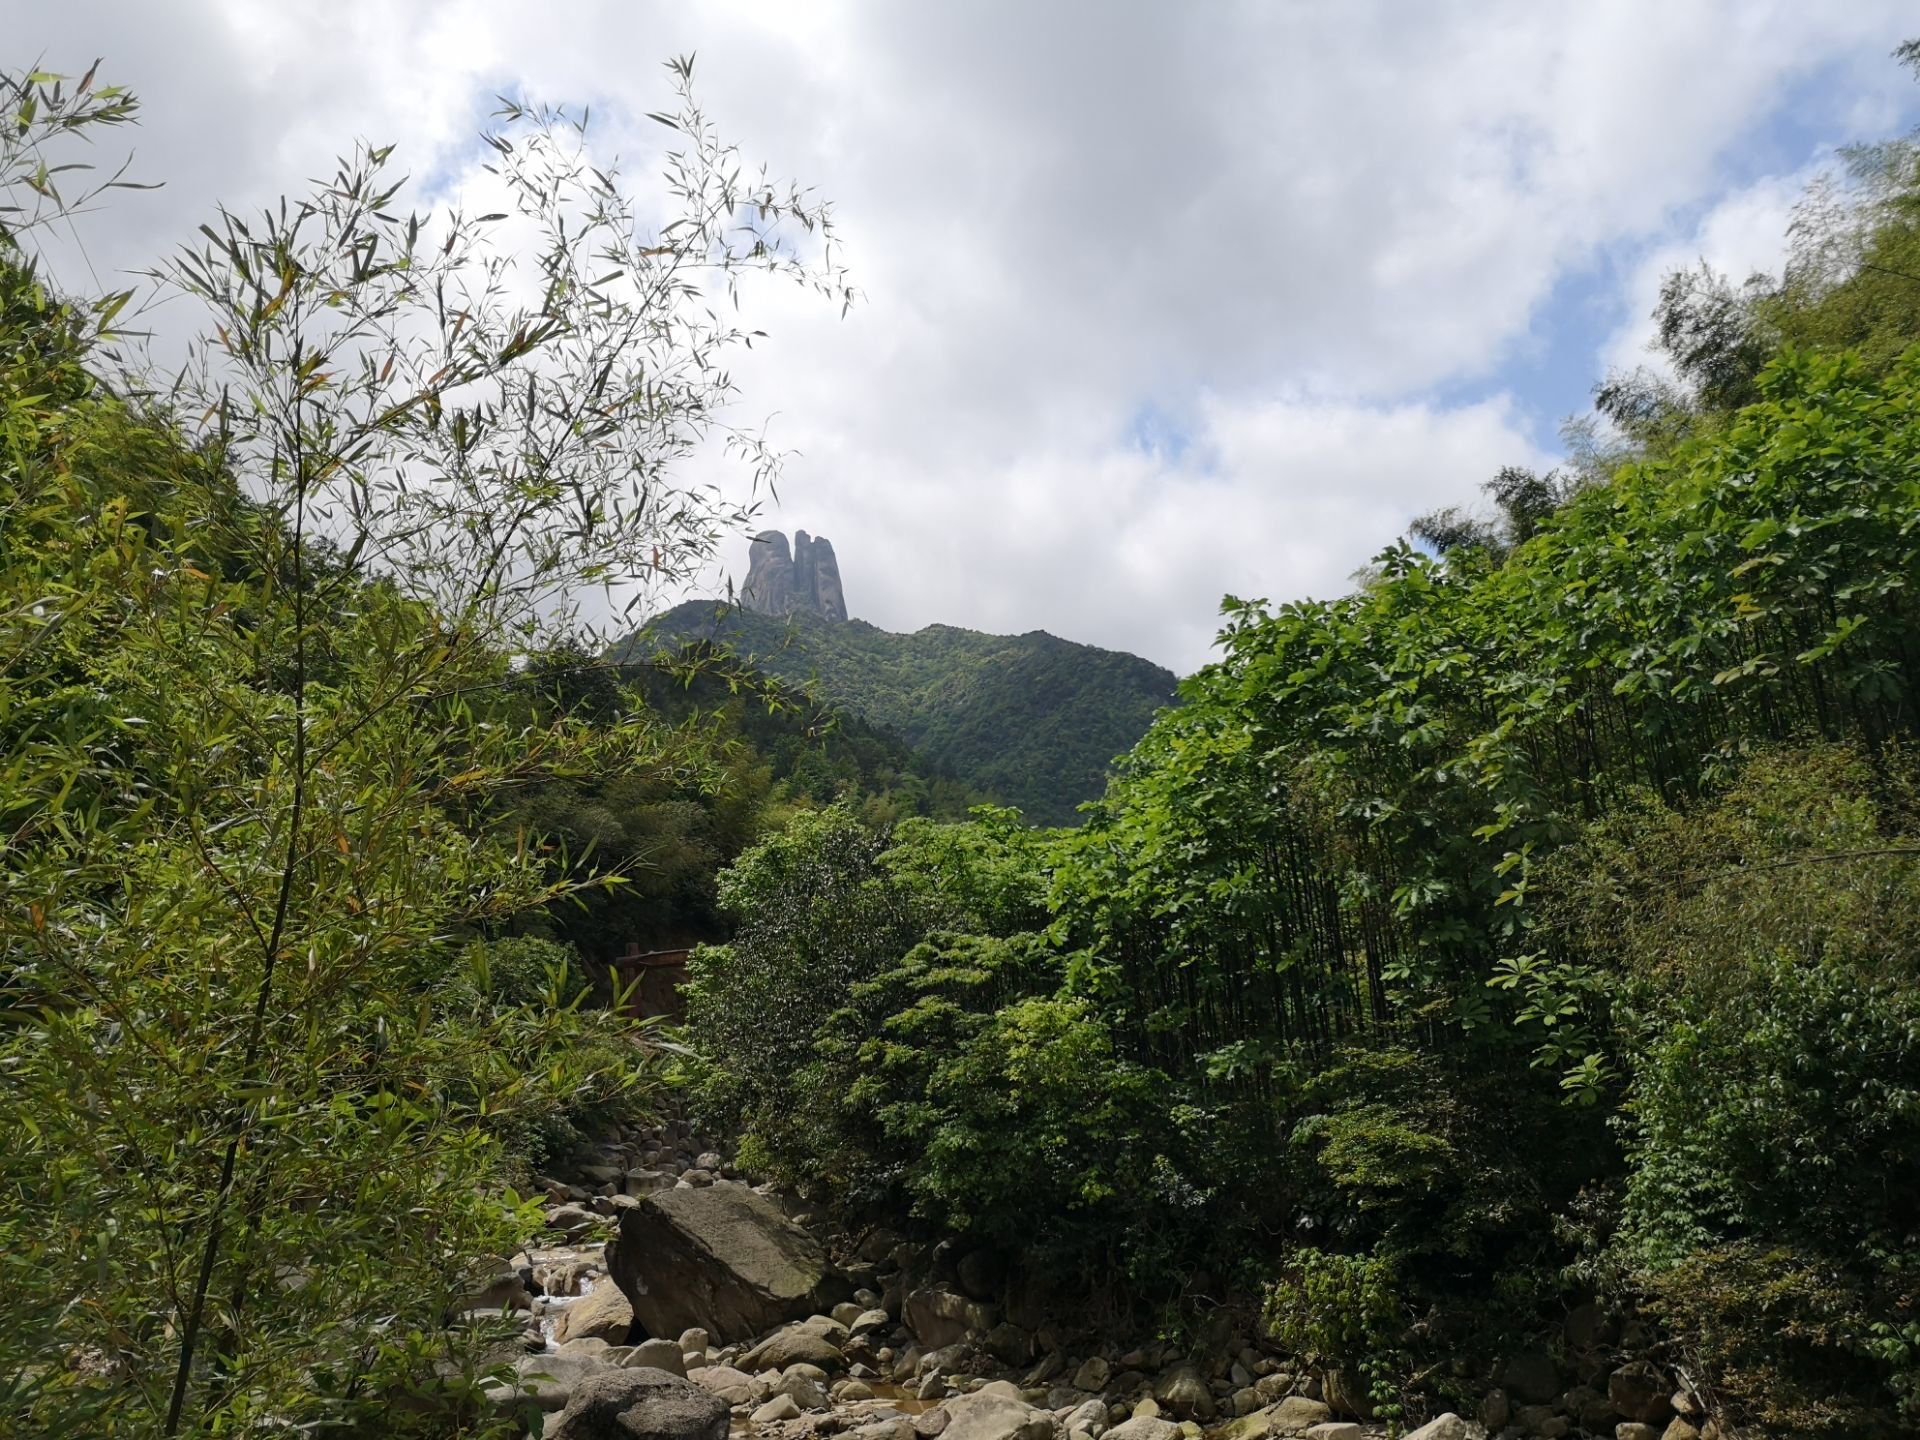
x: 795, y: 1345
x: 939, y: 1317
x: 997, y: 1413
x: 721, y: 1257
x: 548, y: 1380
x: 601, y: 1314
x: 640, y: 1404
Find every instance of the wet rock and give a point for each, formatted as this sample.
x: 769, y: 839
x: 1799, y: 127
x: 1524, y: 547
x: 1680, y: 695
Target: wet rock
x: 604, y: 1314
x: 723, y: 1258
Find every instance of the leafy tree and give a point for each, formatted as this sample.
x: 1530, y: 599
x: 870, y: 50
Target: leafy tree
x: 254, y: 696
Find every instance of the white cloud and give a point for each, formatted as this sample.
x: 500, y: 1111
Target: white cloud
x: 1287, y: 227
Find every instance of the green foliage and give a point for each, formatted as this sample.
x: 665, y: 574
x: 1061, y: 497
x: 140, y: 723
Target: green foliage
x: 258, y: 708
x: 1770, y: 1014
x: 1032, y: 720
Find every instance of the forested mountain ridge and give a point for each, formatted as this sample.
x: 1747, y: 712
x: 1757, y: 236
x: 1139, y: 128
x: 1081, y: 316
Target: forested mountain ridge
x: 1032, y: 720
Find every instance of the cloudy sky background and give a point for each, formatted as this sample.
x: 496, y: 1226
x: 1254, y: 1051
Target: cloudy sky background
x: 1162, y: 301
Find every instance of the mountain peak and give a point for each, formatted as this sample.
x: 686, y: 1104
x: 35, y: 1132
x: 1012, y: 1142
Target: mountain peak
x: 801, y: 580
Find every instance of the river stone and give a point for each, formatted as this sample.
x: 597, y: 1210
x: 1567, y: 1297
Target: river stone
x: 807, y: 1392
x: 1184, y: 1391
x: 1335, y: 1430
x: 1092, y: 1374
x: 1442, y: 1427
x: 992, y: 1413
x: 794, y: 1345
x: 640, y: 1405
x: 659, y: 1355
x: 721, y: 1257
x: 694, y: 1339
x: 548, y: 1379
x: 1143, y: 1427
x: 601, y: 1314
x: 731, y: 1385
x: 1634, y: 1430
x: 780, y: 1407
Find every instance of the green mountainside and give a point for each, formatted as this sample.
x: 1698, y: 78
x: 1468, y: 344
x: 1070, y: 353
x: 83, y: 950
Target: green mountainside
x: 1031, y: 720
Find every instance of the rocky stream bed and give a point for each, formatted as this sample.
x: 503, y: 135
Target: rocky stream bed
x: 679, y: 1302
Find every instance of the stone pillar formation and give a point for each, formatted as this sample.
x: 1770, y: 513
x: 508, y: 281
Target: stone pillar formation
x: 802, y: 580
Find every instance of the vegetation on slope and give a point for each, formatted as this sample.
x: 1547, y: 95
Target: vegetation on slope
x: 1536, y: 921
x: 1031, y: 720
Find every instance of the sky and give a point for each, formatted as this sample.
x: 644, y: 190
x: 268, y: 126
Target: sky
x: 1160, y: 302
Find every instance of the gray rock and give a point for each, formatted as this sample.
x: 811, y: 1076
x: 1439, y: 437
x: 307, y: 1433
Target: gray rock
x: 549, y: 1380
x: 1245, y: 1401
x: 1680, y: 1429
x: 722, y: 1257
x: 1143, y: 1427
x: 603, y: 1314
x: 929, y: 1423
x: 659, y: 1355
x: 795, y: 1345
x: 694, y: 1338
x: 1634, y: 1430
x: 1335, y: 1430
x: 805, y: 1391
x: 1185, y: 1392
x: 1092, y: 1374
x: 1442, y: 1427
x: 805, y: 579
x: 572, y: 1220
x: 939, y: 1317
x: 781, y: 1407
x: 731, y: 1385
x: 996, y: 1412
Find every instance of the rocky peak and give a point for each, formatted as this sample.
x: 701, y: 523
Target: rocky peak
x: 803, y: 579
